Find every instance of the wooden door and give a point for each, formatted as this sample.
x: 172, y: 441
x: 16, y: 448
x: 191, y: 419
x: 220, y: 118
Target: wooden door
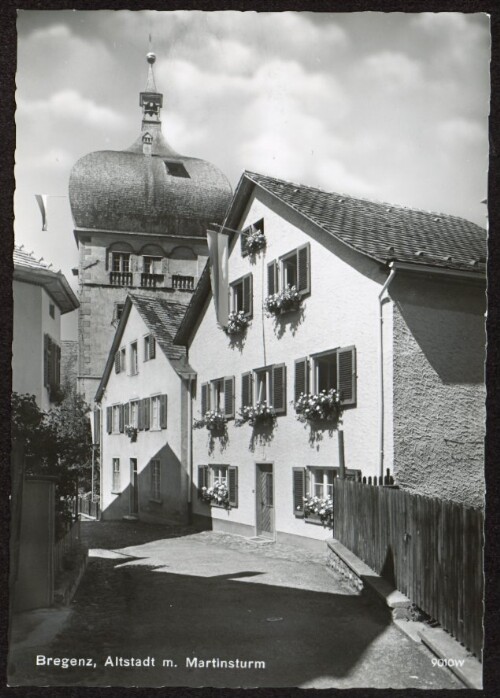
x: 265, y: 500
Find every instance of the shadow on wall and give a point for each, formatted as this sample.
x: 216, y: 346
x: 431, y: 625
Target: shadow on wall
x: 140, y: 497
x: 447, y: 322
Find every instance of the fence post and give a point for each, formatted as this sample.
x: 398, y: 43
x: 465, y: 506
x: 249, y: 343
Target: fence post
x: 341, y: 455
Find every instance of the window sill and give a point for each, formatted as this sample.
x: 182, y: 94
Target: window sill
x: 116, y: 491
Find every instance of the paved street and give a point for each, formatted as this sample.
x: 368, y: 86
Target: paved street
x: 159, y: 607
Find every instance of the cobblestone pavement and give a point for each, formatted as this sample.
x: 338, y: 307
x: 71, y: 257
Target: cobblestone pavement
x: 160, y: 606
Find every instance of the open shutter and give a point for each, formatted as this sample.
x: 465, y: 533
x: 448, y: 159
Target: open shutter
x: 97, y: 426
x: 229, y: 397
x: 163, y: 411
x: 117, y: 362
x: 205, y: 398
x: 147, y: 412
x: 299, y: 491
x: 140, y: 424
x: 346, y: 375
x: 301, y: 378
x: 46, y: 360
x: 152, y: 347
x: 120, y: 416
x: 109, y: 420
x: 246, y: 389
x: 279, y: 388
x: 248, y: 295
x: 202, y: 478
x: 304, y: 269
x: 272, y: 278
x: 126, y: 413
x: 232, y: 485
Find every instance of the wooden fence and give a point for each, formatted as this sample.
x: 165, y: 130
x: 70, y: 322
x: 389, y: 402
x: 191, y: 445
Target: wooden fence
x: 87, y: 507
x: 431, y: 550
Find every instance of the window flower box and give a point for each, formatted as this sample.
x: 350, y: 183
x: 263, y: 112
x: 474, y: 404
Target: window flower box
x: 284, y: 301
x: 236, y: 324
x: 320, y: 407
x: 260, y: 414
x: 213, y: 420
x: 319, y: 508
x: 217, y: 495
x: 131, y: 432
x: 255, y: 240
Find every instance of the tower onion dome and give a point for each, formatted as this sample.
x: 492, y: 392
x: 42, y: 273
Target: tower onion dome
x: 149, y: 187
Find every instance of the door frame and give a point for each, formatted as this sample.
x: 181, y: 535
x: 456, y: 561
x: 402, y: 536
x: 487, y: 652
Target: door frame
x: 134, y: 487
x: 272, y: 534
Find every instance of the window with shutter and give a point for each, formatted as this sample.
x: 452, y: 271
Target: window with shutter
x: 205, y: 398
x: 163, y: 411
x: 140, y: 425
x: 117, y: 362
x: 49, y: 362
x: 147, y: 413
x: 346, y: 375
x: 233, y: 485
x: 152, y: 348
x: 272, y: 278
x: 58, y: 366
x: 301, y: 378
x: 229, y: 397
x: 241, y: 295
x: 109, y: 419
x: 97, y: 426
x: 304, y: 269
x: 46, y: 360
x: 299, y: 491
x: 202, y: 478
x: 126, y: 413
x: 246, y: 390
x: 121, y: 416
x: 279, y: 388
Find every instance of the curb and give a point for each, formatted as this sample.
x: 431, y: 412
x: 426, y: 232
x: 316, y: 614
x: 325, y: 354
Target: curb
x: 452, y: 654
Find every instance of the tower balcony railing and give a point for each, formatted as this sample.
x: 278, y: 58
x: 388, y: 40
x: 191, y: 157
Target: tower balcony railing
x: 120, y: 278
x: 182, y: 283
x: 150, y: 280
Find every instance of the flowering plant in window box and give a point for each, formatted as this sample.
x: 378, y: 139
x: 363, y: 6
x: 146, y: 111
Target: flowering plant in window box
x: 217, y: 494
x: 237, y: 322
x: 261, y: 413
x: 283, y: 302
x: 319, y: 507
x: 131, y: 432
x: 255, y: 240
x: 322, y: 406
x: 213, y: 420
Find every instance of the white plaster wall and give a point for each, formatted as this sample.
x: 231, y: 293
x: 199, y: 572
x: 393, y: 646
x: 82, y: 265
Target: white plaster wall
x: 341, y: 310
x: 154, y: 377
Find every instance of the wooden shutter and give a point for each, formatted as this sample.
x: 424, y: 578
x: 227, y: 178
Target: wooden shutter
x: 120, y: 418
x: 97, y: 426
x: 304, y: 269
x: 232, y: 485
x: 152, y: 347
x: 117, y: 362
x: 109, y: 419
x: 272, y: 278
x: 58, y: 364
x: 248, y: 295
x: 279, y: 388
x: 229, y: 397
x: 163, y: 411
x: 346, y: 375
x: 49, y: 362
x: 205, y: 398
x: 126, y: 413
x: 299, y: 491
x: 46, y: 360
x: 140, y: 421
x: 301, y: 377
x: 202, y: 478
x: 147, y: 412
x: 246, y: 389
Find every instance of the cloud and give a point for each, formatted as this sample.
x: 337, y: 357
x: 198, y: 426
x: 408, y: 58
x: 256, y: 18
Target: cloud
x: 459, y: 132
x: 51, y: 33
x: 392, y: 71
x: 69, y: 104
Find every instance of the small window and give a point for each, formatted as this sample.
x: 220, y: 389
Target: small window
x: 176, y: 169
x: 149, y: 347
x: 289, y: 270
x: 218, y: 395
x: 120, y: 261
x: 225, y: 475
x: 123, y: 359
x: 258, y: 226
x: 52, y: 310
x: 293, y: 269
x: 332, y: 370
x: 119, y: 310
x: 117, y: 419
x: 133, y: 359
x: 152, y: 265
x: 321, y: 482
x: 134, y: 413
x: 155, y: 412
x: 269, y: 385
x: 155, y: 465
x: 116, y: 475
x: 241, y: 295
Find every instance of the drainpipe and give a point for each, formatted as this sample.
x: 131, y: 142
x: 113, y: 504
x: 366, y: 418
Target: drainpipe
x: 189, y: 441
x: 381, y: 365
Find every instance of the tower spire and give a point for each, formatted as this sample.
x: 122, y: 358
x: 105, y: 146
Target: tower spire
x: 151, y: 100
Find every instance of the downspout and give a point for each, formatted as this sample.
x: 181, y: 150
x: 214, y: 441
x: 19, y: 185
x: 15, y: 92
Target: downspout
x: 189, y: 444
x: 381, y: 366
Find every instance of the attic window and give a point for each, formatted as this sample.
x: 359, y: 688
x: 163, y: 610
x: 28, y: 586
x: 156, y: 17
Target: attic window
x: 176, y: 169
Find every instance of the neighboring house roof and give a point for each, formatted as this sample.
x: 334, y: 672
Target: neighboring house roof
x: 162, y: 317
x: 33, y: 271
x: 384, y: 232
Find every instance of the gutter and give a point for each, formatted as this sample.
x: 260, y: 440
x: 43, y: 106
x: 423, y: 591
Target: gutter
x: 385, y: 287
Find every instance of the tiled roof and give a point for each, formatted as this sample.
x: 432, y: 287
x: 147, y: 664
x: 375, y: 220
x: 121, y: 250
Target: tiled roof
x: 26, y: 259
x: 386, y: 232
x: 163, y: 318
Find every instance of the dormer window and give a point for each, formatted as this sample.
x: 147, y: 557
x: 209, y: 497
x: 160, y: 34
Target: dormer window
x: 176, y: 169
x: 147, y: 139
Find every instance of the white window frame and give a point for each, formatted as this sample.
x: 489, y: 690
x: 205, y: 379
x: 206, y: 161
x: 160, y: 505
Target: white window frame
x: 134, y: 413
x: 318, y: 478
x: 315, y: 368
x: 115, y: 485
x: 221, y: 478
x: 217, y: 395
x: 285, y: 283
x: 263, y: 376
x: 155, y: 403
x: 153, y: 263
x: 123, y: 359
x: 123, y: 262
x: 155, y: 468
x: 115, y: 419
x: 148, y: 339
x: 134, y: 358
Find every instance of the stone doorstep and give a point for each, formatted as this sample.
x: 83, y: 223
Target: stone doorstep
x: 436, y: 639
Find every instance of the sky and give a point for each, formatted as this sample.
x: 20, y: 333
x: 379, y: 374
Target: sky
x: 385, y: 106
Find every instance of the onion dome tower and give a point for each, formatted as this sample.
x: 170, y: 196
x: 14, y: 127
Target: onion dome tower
x: 140, y: 220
